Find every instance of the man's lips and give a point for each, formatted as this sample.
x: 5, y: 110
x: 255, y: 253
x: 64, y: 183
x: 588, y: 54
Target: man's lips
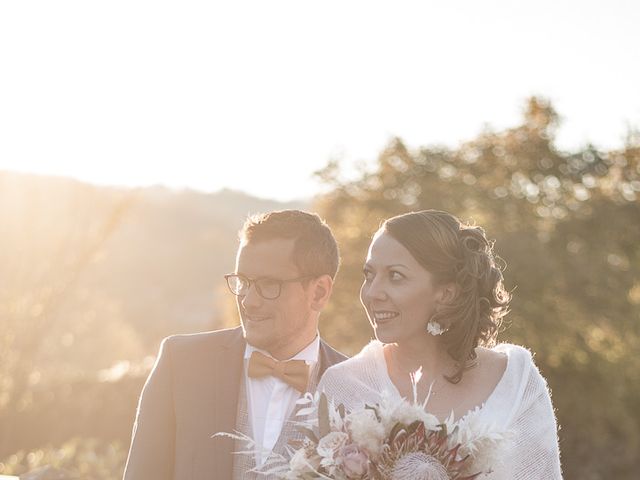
x: 256, y: 318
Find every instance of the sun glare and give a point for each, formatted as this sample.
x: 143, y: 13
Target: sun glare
x: 208, y: 96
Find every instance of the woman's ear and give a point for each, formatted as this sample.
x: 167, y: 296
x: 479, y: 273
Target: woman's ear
x: 448, y: 292
x: 322, y: 288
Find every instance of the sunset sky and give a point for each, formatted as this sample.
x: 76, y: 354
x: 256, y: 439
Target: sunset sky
x: 256, y: 95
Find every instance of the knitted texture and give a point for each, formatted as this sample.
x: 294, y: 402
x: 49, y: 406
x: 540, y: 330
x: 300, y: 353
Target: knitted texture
x: 520, y: 406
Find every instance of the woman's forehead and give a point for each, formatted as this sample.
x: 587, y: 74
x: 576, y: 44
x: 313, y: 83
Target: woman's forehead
x: 386, y: 250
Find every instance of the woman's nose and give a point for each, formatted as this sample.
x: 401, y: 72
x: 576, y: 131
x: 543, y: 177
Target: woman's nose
x: 375, y: 290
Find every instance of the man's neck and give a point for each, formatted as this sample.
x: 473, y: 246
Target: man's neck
x: 291, y: 350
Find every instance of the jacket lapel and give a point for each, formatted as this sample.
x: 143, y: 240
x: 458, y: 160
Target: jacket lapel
x: 228, y: 374
x: 328, y: 357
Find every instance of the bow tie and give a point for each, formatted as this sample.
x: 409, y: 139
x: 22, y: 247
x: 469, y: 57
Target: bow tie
x: 292, y: 372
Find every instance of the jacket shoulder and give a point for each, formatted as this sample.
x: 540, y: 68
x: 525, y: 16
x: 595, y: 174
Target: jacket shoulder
x: 208, y: 340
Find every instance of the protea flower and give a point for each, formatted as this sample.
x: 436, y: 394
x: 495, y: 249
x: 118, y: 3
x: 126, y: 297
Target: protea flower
x: 419, y: 466
x: 412, y: 452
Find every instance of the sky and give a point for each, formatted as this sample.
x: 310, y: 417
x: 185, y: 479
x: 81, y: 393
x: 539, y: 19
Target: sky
x: 257, y: 95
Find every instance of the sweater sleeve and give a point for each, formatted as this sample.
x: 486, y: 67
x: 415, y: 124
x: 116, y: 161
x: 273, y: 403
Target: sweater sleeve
x: 534, y: 451
x: 352, y: 383
x: 338, y: 385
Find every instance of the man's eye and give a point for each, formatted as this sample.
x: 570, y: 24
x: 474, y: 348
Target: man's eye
x: 368, y: 274
x: 268, y: 282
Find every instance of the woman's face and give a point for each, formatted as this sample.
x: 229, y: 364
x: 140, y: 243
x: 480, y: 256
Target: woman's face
x: 399, y: 295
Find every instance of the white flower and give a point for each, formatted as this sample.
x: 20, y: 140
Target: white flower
x: 329, y: 445
x: 366, y: 431
x: 408, y: 413
x: 434, y: 328
x: 299, y: 463
x: 478, y: 438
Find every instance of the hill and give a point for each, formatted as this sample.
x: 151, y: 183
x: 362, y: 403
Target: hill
x: 84, y: 265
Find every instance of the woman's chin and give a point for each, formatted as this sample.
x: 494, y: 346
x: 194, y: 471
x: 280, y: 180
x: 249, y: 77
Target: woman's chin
x: 383, y: 335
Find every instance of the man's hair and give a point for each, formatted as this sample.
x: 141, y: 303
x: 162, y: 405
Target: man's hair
x: 315, y: 250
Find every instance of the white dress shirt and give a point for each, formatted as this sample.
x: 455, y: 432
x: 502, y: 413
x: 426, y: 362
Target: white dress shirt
x: 271, y: 401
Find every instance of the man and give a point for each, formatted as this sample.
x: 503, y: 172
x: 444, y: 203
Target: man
x: 238, y: 379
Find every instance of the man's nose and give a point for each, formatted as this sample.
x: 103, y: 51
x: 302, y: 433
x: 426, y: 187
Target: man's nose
x: 251, y: 297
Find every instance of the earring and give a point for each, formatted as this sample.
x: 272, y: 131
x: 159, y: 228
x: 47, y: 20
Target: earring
x: 435, y: 329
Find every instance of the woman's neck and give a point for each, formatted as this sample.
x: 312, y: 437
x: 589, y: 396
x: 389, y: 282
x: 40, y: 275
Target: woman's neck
x: 427, y: 355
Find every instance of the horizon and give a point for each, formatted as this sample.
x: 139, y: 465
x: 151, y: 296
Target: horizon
x: 172, y: 189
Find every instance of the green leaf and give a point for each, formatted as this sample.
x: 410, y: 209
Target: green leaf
x: 323, y: 416
x: 310, y: 434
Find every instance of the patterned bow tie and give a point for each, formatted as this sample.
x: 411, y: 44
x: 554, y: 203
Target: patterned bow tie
x: 292, y: 372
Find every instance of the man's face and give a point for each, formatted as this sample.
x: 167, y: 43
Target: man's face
x: 282, y: 326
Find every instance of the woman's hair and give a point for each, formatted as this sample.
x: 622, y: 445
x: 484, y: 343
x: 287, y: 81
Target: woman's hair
x: 460, y: 254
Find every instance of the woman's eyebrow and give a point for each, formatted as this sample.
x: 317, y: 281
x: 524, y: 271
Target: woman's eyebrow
x: 393, y: 265
x: 398, y: 265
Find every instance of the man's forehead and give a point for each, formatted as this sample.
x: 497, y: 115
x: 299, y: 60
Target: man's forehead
x: 266, y: 258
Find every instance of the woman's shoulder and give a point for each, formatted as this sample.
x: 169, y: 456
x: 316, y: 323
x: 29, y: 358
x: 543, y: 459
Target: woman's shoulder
x: 357, y: 373
x: 355, y: 381
x: 518, y: 358
x: 521, y: 372
x: 365, y: 359
x: 511, y: 349
x: 520, y: 384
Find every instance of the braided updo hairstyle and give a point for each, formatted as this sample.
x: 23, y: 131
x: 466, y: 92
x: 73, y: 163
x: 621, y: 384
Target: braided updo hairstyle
x: 460, y: 254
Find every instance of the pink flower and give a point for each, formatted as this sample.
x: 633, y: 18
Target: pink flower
x: 354, y: 462
x: 329, y: 445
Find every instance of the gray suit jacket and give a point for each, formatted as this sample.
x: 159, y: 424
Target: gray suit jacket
x: 192, y: 393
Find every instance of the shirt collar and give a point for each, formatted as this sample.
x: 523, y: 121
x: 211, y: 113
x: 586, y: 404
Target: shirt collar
x: 309, y: 353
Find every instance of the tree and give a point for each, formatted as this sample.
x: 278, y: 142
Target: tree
x: 567, y: 225
x: 32, y: 291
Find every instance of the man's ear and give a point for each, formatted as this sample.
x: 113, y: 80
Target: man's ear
x: 321, y: 289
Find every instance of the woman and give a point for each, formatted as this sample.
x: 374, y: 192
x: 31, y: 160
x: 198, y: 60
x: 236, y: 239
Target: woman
x: 435, y: 299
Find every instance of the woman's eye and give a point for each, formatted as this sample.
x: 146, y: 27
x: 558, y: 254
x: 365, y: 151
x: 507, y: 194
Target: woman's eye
x: 393, y: 275
x: 368, y: 275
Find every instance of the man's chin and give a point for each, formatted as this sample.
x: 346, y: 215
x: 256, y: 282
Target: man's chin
x: 255, y: 338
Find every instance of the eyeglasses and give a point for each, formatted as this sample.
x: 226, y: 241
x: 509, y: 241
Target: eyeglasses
x: 267, y: 288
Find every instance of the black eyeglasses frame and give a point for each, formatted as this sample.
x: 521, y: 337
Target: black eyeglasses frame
x: 255, y: 281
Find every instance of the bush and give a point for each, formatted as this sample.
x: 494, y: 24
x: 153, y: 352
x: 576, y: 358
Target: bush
x: 78, y: 459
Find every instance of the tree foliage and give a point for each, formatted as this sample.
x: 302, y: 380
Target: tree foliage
x: 568, y: 227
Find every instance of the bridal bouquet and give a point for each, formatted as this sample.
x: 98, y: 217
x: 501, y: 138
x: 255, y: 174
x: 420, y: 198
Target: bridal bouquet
x: 392, y: 440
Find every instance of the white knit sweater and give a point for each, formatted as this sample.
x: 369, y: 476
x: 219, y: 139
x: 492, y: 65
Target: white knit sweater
x: 519, y: 406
